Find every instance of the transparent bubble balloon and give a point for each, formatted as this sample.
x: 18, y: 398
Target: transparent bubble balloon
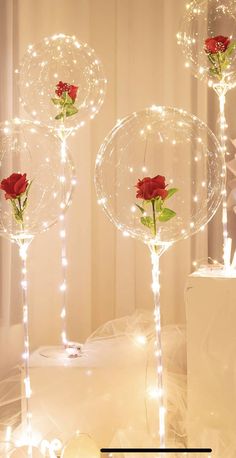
x: 36, y: 187
x: 81, y: 446
x: 214, y: 61
x: 61, y: 58
x: 172, y: 144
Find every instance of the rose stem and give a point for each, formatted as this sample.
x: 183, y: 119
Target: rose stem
x: 154, y: 217
x: 220, y: 72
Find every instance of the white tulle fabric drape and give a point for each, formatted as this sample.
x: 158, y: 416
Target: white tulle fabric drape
x: 109, y: 393
x: 115, y: 378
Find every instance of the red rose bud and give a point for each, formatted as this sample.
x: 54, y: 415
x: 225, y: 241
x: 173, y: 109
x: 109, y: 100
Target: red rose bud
x: 72, y: 91
x: 151, y: 188
x: 15, y: 185
x: 65, y: 87
x: 61, y: 87
x: 216, y: 44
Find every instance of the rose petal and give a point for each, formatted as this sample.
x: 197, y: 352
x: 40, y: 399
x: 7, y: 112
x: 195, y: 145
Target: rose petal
x: 21, y: 185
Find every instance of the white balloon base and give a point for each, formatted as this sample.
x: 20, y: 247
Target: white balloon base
x: 71, y: 350
x: 211, y: 350
x: 117, y: 378
x: 215, y: 271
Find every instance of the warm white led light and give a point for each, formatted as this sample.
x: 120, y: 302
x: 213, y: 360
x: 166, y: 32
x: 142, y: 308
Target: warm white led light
x: 142, y: 340
x: 26, y: 352
x: 223, y: 141
x: 64, y: 262
x: 157, y: 392
x: 63, y: 286
x: 63, y: 313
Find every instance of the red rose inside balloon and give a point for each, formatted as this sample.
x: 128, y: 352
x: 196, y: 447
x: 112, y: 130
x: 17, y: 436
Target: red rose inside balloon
x: 66, y: 96
x: 150, y: 188
x: 154, y: 194
x: 16, y: 188
x: 219, y: 51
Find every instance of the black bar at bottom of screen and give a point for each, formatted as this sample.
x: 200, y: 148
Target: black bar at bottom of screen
x: 156, y: 450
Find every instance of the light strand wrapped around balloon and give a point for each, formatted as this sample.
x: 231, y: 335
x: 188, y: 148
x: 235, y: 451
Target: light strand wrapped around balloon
x: 62, y: 83
x: 159, y: 179
x: 61, y: 77
x: 32, y: 198
x: 208, y: 39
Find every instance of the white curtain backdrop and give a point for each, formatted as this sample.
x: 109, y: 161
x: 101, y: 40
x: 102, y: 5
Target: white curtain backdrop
x: 10, y: 313
x: 109, y: 276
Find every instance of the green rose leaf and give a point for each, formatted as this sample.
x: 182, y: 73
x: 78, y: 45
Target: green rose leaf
x: 159, y: 204
x: 17, y: 213
x: 171, y: 192
x: 70, y: 111
x: 59, y: 116
x: 28, y: 188
x: 231, y: 48
x: 57, y: 101
x: 24, y: 204
x: 214, y: 71
x: 140, y: 208
x: 147, y: 221
x: 212, y: 58
x: 166, y: 215
x: 67, y: 99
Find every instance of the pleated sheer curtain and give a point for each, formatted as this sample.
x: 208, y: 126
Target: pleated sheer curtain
x: 108, y: 275
x: 10, y: 313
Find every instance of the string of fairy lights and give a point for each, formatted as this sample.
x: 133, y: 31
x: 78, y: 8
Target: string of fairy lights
x: 157, y: 343
x: 71, y: 348
x: 62, y: 234
x: 223, y: 140
x: 26, y: 353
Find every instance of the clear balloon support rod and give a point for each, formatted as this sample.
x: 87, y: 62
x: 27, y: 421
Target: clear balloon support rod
x: 64, y: 261
x: 155, y: 259
x: 221, y: 90
x: 73, y: 349
x: 23, y: 251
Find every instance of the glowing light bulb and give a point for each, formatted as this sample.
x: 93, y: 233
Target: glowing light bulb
x: 62, y: 233
x: 64, y: 262
x: 63, y: 286
x: 142, y: 340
